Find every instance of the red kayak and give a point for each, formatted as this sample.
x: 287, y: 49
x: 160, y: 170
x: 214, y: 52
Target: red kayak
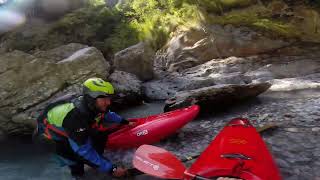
x: 238, y: 151
x: 151, y: 129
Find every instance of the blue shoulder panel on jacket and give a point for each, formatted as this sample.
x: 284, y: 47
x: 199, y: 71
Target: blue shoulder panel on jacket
x: 90, y: 154
x: 112, y: 117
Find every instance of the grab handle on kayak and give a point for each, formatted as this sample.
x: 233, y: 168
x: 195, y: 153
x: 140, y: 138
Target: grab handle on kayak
x: 235, y: 156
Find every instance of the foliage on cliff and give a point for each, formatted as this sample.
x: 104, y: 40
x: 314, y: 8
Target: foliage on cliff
x: 155, y: 21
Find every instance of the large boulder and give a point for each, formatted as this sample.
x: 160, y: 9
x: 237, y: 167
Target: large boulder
x: 197, y: 46
x: 137, y: 59
x: 290, y: 62
x: 258, y: 68
x: 159, y: 89
x: 27, y: 81
x: 128, y: 89
x: 217, y: 97
x: 218, y: 71
x: 61, y: 52
x: 165, y: 88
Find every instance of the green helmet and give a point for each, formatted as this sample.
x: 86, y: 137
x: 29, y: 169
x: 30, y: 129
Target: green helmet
x: 95, y: 87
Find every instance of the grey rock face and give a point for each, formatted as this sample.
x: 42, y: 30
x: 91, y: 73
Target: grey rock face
x: 128, y: 88
x: 216, y: 97
x: 158, y: 90
x: 201, y: 45
x: 298, y: 69
x: 137, y: 59
x: 30, y: 80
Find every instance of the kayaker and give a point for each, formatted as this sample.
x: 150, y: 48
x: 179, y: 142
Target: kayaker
x: 77, y: 125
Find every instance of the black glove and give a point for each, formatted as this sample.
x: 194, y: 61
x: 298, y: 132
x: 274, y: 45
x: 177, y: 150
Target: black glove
x: 125, y: 122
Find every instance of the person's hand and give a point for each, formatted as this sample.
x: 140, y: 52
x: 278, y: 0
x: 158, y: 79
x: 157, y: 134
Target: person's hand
x: 132, y: 123
x: 120, y: 172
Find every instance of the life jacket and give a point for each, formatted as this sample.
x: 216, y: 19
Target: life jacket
x: 49, y: 123
x: 103, y: 126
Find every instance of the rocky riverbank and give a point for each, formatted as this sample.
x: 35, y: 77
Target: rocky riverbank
x: 294, y: 144
x: 231, y: 52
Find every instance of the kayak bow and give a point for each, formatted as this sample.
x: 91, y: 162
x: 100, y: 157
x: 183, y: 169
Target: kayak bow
x: 151, y: 129
x: 237, y: 151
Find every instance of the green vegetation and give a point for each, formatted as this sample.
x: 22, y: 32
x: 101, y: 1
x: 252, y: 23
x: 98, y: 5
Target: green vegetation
x: 95, y: 26
x: 92, y: 26
x: 258, y: 18
x: 96, y: 2
x: 277, y: 27
x: 220, y: 6
x: 315, y: 3
x: 153, y: 21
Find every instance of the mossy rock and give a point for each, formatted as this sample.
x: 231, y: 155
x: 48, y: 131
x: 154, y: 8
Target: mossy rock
x: 220, y: 6
x: 258, y: 18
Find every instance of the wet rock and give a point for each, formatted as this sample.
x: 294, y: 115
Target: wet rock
x: 137, y: 59
x: 282, y: 163
x: 2, y: 136
x: 158, y: 90
x: 288, y: 115
x: 292, y: 129
x: 262, y: 117
x: 307, y: 145
x: 215, y: 97
x: 128, y: 89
